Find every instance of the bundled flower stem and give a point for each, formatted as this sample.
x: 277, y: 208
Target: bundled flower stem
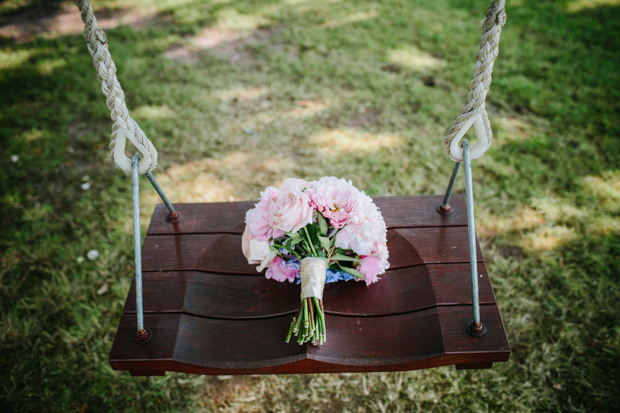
x: 309, y: 323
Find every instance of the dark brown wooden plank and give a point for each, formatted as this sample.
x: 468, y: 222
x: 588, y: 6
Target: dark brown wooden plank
x: 416, y: 246
x: 215, y: 322
x: 147, y: 372
x: 205, y: 218
x: 164, y: 328
x: 403, y: 338
x: 228, y: 217
x: 221, y: 296
x: 401, y: 342
x: 207, y: 342
x: 221, y: 253
x: 474, y: 366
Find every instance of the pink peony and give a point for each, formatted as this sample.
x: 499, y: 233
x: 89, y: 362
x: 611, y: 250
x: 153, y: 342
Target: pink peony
x: 294, y: 184
x: 370, y: 267
x: 292, y: 211
x: 337, y: 200
x: 279, y: 272
x: 380, y: 251
x: 258, y: 219
x: 363, y: 236
x: 245, y: 242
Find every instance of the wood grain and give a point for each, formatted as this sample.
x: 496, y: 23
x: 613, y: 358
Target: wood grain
x: 221, y: 253
x: 228, y: 217
x: 207, y: 346
x: 212, y: 313
x: 220, y: 296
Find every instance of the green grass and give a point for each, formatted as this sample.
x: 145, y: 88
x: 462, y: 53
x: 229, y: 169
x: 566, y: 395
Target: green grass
x: 362, y: 90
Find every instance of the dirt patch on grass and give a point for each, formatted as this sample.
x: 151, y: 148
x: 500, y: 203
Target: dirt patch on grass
x: 26, y: 26
x: 224, y: 43
x: 233, y: 393
x: 227, y: 44
x: 365, y: 118
x: 511, y: 251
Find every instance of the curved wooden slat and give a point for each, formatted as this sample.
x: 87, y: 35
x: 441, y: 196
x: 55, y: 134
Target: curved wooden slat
x: 415, y: 246
x: 212, y: 313
x: 404, y: 342
x: 217, y: 217
x: 222, y: 252
x: 220, y: 296
x: 228, y: 217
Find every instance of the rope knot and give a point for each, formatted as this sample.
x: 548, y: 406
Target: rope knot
x: 118, y: 144
x: 474, y: 113
x: 125, y: 127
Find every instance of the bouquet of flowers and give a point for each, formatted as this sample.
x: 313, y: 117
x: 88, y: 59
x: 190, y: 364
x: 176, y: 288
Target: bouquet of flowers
x: 313, y: 233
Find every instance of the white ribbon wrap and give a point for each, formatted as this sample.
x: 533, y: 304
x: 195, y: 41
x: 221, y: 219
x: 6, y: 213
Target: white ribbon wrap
x: 313, y: 274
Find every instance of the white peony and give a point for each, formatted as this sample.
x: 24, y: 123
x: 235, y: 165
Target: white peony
x: 256, y: 251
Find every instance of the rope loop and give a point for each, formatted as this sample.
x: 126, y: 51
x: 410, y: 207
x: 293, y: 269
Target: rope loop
x: 118, y: 145
x: 474, y: 113
x: 124, y: 127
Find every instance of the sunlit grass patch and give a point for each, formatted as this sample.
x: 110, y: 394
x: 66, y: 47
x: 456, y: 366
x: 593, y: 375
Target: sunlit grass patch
x: 576, y: 6
x: 152, y: 112
x: 606, y: 190
x: 350, y: 18
x: 339, y: 142
x: 415, y: 59
x: 12, y: 59
x: 548, y: 239
x: 260, y: 91
x: 241, y: 93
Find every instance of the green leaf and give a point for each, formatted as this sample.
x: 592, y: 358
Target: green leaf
x: 325, y: 243
x: 288, y: 245
x: 322, y: 223
x: 313, y: 229
x: 352, y: 271
x: 341, y: 257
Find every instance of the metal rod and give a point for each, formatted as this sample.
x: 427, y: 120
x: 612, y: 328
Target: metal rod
x: 476, y: 327
x: 135, y: 184
x: 160, y: 191
x: 445, y: 207
x: 455, y: 172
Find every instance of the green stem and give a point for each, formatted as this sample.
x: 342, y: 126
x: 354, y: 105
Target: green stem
x: 275, y: 244
x: 290, y: 330
x: 310, y: 242
x: 331, y: 252
x: 299, y: 320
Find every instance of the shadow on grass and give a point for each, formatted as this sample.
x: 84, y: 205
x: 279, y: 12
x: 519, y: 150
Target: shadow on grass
x: 33, y: 8
x: 554, y: 63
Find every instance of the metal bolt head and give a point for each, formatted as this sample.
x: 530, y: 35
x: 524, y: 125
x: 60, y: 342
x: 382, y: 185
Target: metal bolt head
x: 173, y: 217
x: 143, y: 335
x: 476, y: 330
x: 445, y: 209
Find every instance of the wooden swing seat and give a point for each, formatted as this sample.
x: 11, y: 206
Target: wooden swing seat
x: 211, y: 313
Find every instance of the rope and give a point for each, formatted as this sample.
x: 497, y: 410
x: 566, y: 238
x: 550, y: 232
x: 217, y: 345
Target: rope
x: 124, y: 127
x: 474, y: 113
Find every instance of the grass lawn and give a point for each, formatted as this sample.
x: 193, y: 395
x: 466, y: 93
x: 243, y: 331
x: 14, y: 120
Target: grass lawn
x: 238, y: 95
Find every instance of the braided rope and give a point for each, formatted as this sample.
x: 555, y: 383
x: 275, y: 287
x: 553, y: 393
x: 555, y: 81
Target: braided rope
x: 125, y: 127
x: 475, y: 111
